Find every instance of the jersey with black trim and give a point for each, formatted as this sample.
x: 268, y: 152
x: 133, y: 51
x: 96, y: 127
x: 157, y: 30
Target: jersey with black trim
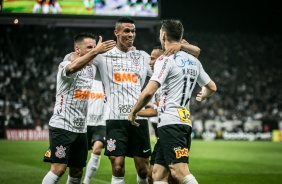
x: 123, y: 74
x: 72, y: 95
x: 177, y: 76
x: 96, y: 102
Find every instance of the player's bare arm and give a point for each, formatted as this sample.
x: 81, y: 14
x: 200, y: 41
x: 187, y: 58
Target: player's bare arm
x: 183, y: 45
x: 82, y: 61
x: 207, y: 91
x: 192, y: 49
x: 149, y: 111
x: 143, y: 100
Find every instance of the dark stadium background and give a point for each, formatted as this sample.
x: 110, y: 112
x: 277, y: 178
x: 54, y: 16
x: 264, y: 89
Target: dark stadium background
x: 240, y: 45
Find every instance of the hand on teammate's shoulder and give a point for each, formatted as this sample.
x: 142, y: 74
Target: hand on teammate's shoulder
x: 104, y: 46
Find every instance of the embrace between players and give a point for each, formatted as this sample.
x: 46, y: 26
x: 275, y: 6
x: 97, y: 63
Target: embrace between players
x: 123, y: 70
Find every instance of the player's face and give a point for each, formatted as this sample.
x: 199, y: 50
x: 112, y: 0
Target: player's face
x: 86, y: 46
x: 125, y: 35
x: 154, y: 56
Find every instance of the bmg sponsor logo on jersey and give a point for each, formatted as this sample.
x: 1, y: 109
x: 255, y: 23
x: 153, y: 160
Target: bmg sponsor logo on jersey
x: 124, y: 109
x: 96, y: 95
x: 81, y: 94
x: 181, y: 152
x: 125, y: 77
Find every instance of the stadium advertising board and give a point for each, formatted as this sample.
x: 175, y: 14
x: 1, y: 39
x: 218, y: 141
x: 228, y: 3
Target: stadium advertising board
x: 27, y: 134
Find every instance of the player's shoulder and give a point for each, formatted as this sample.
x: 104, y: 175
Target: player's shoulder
x: 185, y: 55
x: 140, y: 52
x: 68, y: 56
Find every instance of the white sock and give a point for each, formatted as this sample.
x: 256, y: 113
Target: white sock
x: 189, y: 179
x: 72, y: 180
x: 50, y: 178
x: 91, y: 168
x: 117, y: 180
x: 160, y: 182
x: 141, y: 180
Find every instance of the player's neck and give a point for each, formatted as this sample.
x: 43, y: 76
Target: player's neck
x: 123, y: 48
x: 168, y: 44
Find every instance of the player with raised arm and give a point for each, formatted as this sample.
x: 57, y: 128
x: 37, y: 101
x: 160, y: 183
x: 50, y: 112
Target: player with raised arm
x: 176, y: 76
x: 123, y: 72
x: 67, y: 126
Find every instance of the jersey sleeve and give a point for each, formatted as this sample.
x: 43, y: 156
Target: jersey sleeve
x: 161, y: 69
x: 62, y: 68
x: 203, y: 78
x: 97, y: 59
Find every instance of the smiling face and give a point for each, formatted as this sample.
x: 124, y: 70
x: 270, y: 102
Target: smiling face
x: 125, y: 33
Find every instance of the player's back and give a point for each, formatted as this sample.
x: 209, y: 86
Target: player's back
x: 181, y: 77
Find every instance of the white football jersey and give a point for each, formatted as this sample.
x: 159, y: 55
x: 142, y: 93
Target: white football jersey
x: 155, y: 100
x: 123, y: 75
x: 72, y: 95
x: 96, y: 102
x: 178, y: 77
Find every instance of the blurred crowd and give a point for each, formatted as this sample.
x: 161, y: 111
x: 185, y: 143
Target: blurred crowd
x: 247, y: 68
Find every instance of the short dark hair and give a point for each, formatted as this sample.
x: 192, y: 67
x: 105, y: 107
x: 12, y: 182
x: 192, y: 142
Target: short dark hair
x: 80, y: 36
x: 124, y: 20
x: 158, y: 47
x: 173, y: 28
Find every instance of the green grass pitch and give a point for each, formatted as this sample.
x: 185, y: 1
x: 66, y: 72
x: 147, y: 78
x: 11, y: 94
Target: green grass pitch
x: 211, y: 162
x: 26, y: 6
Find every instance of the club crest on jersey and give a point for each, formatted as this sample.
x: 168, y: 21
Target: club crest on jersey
x: 135, y: 58
x: 60, y: 153
x: 86, y: 73
x: 111, y: 145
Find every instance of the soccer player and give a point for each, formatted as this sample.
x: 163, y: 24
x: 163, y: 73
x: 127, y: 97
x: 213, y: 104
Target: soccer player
x: 123, y: 72
x: 151, y: 109
x: 67, y: 126
x: 177, y: 77
x: 96, y: 128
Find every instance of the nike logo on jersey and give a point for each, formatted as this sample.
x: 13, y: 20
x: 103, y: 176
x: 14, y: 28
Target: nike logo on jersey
x: 145, y: 151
